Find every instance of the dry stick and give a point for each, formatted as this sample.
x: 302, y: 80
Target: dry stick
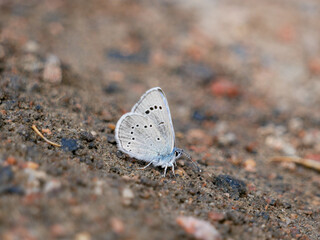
x: 303, y: 161
x: 43, y: 137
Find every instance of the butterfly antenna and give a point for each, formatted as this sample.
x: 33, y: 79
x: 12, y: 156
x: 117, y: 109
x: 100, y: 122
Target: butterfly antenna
x: 194, y: 163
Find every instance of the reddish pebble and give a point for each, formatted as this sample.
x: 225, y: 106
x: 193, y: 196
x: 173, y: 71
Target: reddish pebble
x: 111, y: 126
x: 117, y: 225
x: 224, y: 88
x: 200, y: 229
x: 250, y: 165
x: 11, y: 160
x: 287, y: 33
x: 58, y: 230
x: 215, y: 216
x: 46, y: 130
x: 31, y: 165
x: 251, y: 147
x: 314, y: 65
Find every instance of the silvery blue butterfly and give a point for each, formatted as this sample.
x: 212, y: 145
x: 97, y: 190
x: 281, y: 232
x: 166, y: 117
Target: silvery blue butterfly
x: 146, y: 133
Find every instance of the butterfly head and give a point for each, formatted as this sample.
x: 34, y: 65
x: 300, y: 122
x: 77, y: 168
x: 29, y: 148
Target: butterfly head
x: 177, y: 153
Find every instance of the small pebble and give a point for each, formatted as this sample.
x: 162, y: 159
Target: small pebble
x: 198, y: 116
x: 52, y: 70
x: 98, y: 187
x: 112, y: 88
x: 279, y: 144
x: 92, y: 145
x: 127, y: 196
x: 120, y: 154
x: 58, y: 230
x: 251, y: 147
x: 35, y: 178
x: 314, y: 66
x: 141, y: 56
x: 310, y: 139
x: 200, y: 229
x: 181, y: 172
x: 12, y: 189
x: 87, y: 136
x: 111, y: 139
x: 69, y: 144
x: 216, y: 216
x: 111, y: 126
x: 83, y: 236
x: 52, y: 186
x: 31, y: 47
x: 148, y: 182
x: 6, y: 175
x: 225, y: 88
x: 295, y: 124
x: 30, y: 63
x: 229, y: 184
x: 38, y: 108
x: 31, y: 165
x: 250, y: 165
x: 117, y: 225
x: 11, y: 160
x: 144, y: 194
x: 227, y: 139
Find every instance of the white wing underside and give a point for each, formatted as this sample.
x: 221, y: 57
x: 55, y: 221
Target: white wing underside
x: 147, y: 131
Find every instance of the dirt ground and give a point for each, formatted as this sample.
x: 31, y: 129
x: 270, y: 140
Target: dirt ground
x: 242, y: 80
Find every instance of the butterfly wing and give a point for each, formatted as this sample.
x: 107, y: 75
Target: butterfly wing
x: 153, y: 105
x: 139, y: 137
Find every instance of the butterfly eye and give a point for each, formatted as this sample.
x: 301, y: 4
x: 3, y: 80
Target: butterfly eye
x: 176, y: 153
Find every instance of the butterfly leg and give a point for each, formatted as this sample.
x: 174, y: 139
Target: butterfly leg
x: 146, y: 166
x: 172, y: 167
x: 165, y: 171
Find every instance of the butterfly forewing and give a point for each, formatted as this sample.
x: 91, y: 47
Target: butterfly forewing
x: 139, y: 137
x: 153, y: 105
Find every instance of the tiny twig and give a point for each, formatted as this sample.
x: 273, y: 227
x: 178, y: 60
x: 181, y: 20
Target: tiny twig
x: 310, y: 163
x: 43, y: 137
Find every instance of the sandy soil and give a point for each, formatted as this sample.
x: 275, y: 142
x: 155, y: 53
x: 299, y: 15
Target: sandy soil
x: 242, y: 81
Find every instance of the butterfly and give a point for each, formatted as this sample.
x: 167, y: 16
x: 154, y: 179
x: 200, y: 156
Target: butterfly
x: 146, y: 133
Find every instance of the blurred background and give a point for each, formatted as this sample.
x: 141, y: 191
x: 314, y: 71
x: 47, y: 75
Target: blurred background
x: 270, y: 48
x: 242, y: 79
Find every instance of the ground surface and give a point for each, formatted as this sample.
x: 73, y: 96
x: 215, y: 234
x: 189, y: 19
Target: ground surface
x: 242, y: 81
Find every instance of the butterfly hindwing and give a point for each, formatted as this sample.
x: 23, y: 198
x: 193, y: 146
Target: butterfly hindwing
x: 153, y: 105
x: 139, y: 137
